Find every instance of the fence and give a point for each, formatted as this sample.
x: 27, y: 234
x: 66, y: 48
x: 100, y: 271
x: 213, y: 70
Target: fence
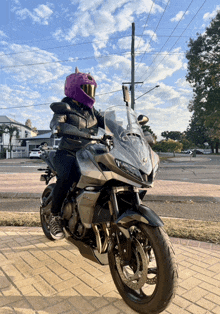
x: 18, y: 153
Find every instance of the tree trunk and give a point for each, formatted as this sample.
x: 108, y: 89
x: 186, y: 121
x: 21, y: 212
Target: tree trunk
x: 216, y: 147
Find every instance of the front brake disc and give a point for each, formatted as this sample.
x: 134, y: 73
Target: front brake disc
x: 134, y: 280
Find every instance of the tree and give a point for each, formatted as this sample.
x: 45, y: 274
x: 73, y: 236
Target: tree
x: 168, y: 146
x: 28, y: 123
x: 146, y: 129
x: 2, y: 129
x: 173, y: 135
x: 203, y: 74
x: 11, y: 129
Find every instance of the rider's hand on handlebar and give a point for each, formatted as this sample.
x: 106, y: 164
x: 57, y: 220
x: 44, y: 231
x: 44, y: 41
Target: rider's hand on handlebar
x: 107, y: 137
x: 96, y: 137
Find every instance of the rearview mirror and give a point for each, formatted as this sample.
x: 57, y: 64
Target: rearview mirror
x: 125, y: 94
x: 142, y: 120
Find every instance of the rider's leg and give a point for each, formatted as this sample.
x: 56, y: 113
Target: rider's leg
x: 67, y: 173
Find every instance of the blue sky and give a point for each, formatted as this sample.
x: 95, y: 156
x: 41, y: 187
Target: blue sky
x: 41, y: 42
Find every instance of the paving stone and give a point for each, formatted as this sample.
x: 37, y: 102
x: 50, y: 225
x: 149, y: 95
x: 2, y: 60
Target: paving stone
x: 208, y: 305
x: 195, y: 294
x: 82, y: 305
x: 40, y: 277
x: 195, y: 309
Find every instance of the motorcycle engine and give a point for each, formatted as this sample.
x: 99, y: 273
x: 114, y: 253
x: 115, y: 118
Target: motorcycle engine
x: 70, y: 214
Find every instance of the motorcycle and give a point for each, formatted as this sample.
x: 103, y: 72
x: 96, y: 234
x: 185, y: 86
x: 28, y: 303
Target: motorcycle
x: 104, y: 217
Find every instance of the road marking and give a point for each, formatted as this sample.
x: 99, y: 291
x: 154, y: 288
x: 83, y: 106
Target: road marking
x: 20, y: 166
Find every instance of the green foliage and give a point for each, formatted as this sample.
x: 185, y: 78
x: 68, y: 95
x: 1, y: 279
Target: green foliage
x: 204, y: 76
x: 28, y: 123
x: 168, y: 146
x: 11, y: 130
x: 173, y: 135
x: 3, y: 153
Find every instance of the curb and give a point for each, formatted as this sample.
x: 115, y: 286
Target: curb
x: 180, y: 199
x: 20, y: 195
x: 148, y: 198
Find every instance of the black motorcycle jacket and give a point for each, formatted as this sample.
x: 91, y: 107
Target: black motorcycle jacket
x: 75, y: 123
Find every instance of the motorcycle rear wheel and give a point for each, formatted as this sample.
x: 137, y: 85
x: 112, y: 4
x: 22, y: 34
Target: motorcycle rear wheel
x: 46, y: 199
x: 160, y: 278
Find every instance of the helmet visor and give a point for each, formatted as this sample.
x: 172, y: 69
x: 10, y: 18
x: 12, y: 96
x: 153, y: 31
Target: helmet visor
x: 89, y: 90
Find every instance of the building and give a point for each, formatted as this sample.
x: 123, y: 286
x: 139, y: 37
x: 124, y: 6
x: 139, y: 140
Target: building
x: 43, y: 137
x: 23, y: 132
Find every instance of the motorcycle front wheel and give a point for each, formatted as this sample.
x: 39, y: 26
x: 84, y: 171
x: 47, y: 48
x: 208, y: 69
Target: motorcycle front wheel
x: 147, y: 283
x: 44, y: 218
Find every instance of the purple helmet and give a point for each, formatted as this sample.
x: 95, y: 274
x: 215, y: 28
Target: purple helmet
x: 81, y: 87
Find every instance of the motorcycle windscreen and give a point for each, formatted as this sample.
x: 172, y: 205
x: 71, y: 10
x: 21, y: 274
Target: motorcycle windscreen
x: 129, y: 141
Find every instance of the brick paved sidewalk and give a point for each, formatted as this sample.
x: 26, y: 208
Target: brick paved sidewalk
x: 38, y: 276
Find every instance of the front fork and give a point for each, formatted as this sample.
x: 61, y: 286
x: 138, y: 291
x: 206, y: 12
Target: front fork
x: 120, y: 237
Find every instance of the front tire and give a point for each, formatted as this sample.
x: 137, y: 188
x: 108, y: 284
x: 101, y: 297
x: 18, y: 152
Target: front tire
x: 146, y: 291
x: 44, y: 218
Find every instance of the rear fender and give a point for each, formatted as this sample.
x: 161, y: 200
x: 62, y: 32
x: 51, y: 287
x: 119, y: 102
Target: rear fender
x: 142, y: 214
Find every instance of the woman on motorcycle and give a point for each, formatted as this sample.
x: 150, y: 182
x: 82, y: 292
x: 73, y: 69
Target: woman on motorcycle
x: 74, y: 111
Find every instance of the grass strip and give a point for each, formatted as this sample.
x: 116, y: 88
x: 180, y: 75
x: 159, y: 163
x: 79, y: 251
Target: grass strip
x: 206, y: 231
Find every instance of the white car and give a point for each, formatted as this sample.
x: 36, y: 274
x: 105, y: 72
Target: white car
x: 35, y: 153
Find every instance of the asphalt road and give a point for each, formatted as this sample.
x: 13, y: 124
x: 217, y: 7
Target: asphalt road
x: 24, y: 166
x: 201, y: 169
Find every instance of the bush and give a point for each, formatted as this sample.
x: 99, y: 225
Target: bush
x: 3, y: 153
x: 168, y: 146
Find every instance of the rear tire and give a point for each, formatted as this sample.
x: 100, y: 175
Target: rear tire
x: 155, y: 295
x: 44, y: 218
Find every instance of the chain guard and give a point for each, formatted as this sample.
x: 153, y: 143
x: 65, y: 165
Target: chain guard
x: 135, y: 280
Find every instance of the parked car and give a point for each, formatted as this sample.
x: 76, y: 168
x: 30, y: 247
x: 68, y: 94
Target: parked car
x: 35, y: 153
x: 198, y: 152
x: 187, y: 151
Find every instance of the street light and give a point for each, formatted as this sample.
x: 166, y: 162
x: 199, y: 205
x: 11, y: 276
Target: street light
x: 148, y: 91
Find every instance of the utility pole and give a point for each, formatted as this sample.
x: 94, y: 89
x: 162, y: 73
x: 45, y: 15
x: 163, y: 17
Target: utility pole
x: 132, y: 65
x: 132, y: 83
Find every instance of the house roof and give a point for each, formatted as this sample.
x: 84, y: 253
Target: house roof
x: 39, y: 137
x: 6, y: 120
x: 39, y: 132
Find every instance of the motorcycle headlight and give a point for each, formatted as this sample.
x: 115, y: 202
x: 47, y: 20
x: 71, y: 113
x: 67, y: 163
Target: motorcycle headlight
x: 129, y: 169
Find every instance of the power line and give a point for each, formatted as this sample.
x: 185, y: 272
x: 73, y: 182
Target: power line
x: 146, y: 22
x: 171, y: 32
x: 48, y: 103
x: 58, y: 47
x: 155, y: 31
x: 77, y: 44
x: 61, y: 61
x: 178, y: 38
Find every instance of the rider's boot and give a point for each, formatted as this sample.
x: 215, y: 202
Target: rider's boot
x: 56, y: 229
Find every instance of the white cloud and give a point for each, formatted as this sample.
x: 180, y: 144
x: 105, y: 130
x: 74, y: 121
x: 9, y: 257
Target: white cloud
x: 98, y: 20
x: 13, y: 97
x: 207, y: 16
x: 164, y: 67
x: 49, y: 71
x: 140, y: 44
x: 152, y: 34
x: 2, y: 34
x: 179, y: 16
x: 166, y: 108
x: 40, y: 15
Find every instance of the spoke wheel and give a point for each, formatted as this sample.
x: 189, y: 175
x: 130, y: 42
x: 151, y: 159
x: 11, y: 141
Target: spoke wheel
x: 147, y: 283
